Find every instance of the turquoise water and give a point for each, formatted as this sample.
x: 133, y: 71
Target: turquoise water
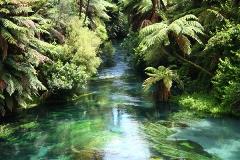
x: 217, y: 136
x: 107, y: 124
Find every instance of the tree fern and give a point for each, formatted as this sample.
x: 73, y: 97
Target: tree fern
x: 181, y: 29
x: 141, y: 13
x: 158, y: 37
x: 161, y: 77
x: 18, y: 31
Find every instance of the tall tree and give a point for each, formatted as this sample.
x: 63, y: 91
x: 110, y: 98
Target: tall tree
x: 161, y: 37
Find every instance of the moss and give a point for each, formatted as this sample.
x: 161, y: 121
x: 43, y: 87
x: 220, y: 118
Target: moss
x: 201, y: 102
x: 87, y: 135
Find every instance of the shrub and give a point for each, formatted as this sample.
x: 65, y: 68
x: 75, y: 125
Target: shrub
x: 200, y: 102
x: 76, y: 61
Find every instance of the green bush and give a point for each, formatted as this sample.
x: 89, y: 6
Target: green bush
x: 6, y: 132
x: 227, y: 82
x: 76, y: 61
x: 200, y: 102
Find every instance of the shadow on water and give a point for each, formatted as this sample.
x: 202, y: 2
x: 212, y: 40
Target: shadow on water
x: 107, y: 124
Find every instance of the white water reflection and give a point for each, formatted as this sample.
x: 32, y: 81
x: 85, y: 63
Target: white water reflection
x: 119, y: 69
x: 130, y: 144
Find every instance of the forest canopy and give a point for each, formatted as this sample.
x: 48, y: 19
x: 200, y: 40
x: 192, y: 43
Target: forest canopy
x: 198, y: 37
x: 53, y: 47
x: 48, y: 47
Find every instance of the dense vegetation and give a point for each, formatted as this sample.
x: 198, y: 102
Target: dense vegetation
x: 49, y: 48
x: 52, y: 48
x: 51, y: 51
x: 199, y: 38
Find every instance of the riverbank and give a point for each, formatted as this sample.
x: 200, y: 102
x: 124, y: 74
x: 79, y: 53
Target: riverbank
x: 116, y: 121
x: 203, y: 103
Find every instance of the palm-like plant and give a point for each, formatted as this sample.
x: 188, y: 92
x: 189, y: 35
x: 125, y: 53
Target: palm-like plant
x: 20, y: 53
x: 165, y: 36
x: 94, y: 9
x: 162, y: 78
x: 142, y: 13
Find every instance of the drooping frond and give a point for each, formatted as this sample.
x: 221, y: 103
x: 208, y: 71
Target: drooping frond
x: 160, y: 74
x: 19, y: 51
x: 158, y: 35
x: 101, y: 8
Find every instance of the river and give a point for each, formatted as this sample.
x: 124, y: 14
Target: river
x: 106, y: 124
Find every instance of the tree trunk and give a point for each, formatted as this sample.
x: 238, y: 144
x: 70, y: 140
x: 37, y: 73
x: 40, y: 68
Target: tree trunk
x: 154, y: 11
x: 162, y: 5
x: 86, y: 13
x: 197, y: 3
x: 236, y: 2
x: 162, y: 93
x: 193, y: 64
x: 80, y: 7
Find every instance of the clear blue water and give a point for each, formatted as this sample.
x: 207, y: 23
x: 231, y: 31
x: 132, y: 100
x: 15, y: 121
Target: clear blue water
x: 106, y: 124
x: 217, y: 136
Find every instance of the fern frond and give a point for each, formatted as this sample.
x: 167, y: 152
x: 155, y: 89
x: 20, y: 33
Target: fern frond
x: 10, y: 25
x: 8, y: 36
x: 22, y: 10
x: 152, y: 28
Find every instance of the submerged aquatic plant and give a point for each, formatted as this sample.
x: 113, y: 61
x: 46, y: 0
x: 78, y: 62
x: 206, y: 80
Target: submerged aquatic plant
x: 5, y: 132
x: 157, y: 134
x: 29, y: 125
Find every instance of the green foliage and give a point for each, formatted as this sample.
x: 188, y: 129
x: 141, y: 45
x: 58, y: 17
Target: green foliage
x: 30, y: 125
x: 184, y: 116
x: 107, y: 53
x: 201, y: 102
x: 83, y: 44
x: 19, y: 53
x: 117, y: 27
x: 162, y: 78
x: 65, y: 76
x: 155, y: 38
x: 76, y: 61
x: 166, y: 75
x: 226, y: 82
x: 131, y: 42
x: 172, y: 39
x: 100, y: 8
x: 137, y: 10
x: 6, y: 132
x: 32, y: 65
x: 223, y: 42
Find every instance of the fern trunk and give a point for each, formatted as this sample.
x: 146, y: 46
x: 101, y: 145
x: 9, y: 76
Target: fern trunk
x: 86, y: 13
x: 80, y: 8
x: 197, y: 3
x: 162, y: 93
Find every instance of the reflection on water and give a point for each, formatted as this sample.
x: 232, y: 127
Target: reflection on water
x: 106, y: 125
x: 130, y: 144
x: 119, y: 69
